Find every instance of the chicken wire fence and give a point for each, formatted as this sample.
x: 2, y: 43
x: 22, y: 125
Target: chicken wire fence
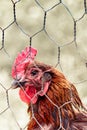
x: 58, y: 30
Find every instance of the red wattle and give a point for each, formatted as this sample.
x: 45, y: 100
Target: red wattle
x: 28, y: 94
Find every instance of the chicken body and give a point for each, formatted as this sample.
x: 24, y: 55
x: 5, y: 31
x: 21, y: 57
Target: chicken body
x: 56, y: 108
x: 53, y: 102
x: 60, y: 108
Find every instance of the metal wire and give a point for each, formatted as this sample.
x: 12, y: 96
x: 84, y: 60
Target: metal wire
x: 53, y: 41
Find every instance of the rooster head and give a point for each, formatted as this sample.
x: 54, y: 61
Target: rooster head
x: 31, y: 77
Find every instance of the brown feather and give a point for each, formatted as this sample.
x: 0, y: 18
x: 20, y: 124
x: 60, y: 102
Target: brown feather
x: 60, y: 108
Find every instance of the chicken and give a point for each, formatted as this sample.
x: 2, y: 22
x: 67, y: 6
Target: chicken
x: 53, y: 102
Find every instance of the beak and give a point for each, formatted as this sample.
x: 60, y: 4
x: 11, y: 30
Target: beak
x: 17, y: 84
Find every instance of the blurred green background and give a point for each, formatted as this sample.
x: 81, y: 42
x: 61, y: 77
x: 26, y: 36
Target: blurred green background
x: 59, y: 25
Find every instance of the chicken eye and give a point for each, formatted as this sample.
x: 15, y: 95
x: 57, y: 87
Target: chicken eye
x: 34, y: 72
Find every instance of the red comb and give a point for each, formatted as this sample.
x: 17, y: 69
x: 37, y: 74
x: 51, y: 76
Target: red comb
x: 25, y: 57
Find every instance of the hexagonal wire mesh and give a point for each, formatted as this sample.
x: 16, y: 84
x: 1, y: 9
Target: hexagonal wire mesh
x: 58, y: 30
